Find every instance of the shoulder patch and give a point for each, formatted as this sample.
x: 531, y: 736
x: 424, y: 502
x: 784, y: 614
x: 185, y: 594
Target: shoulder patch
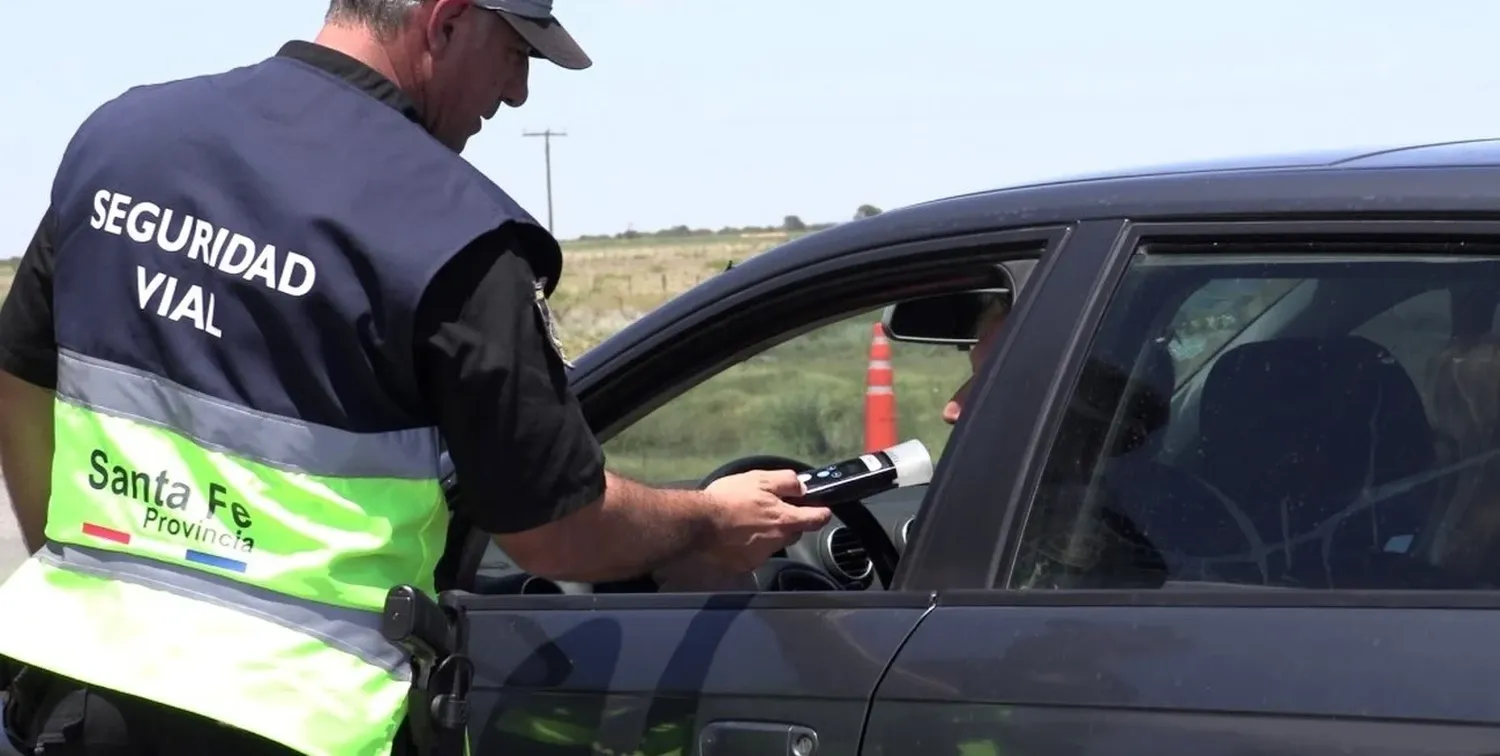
x: 549, y: 322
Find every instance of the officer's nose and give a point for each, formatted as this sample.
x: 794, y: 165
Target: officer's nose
x: 950, y: 412
x: 956, y: 405
x: 517, y: 93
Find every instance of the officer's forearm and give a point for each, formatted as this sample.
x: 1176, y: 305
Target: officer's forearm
x: 631, y: 531
x: 26, y: 454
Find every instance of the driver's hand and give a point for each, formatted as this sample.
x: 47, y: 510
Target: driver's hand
x: 753, y: 520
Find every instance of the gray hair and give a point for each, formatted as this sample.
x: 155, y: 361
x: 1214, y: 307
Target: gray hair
x: 993, y: 307
x: 384, y: 17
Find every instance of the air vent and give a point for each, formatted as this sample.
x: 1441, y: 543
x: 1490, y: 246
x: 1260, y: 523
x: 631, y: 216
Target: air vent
x: 845, y: 555
x: 905, y: 533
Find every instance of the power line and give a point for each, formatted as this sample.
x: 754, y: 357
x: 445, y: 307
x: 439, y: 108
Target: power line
x: 547, y: 150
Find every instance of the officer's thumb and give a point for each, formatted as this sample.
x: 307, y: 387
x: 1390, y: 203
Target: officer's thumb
x: 784, y: 483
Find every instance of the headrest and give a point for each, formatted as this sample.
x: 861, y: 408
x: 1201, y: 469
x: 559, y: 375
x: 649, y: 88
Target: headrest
x: 1306, y: 423
x: 1284, y: 385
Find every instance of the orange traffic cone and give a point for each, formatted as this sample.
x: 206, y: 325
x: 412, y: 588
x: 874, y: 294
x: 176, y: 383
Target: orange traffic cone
x: 880, y: 395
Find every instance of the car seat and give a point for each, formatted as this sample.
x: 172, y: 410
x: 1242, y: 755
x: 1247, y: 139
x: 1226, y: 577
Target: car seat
x: 1296, y: 431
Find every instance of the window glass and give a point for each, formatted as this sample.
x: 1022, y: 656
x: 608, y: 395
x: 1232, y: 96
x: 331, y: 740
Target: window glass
x: 1215, y: 314
x: 1341, y: 435
x: 1413, y: 331
x: 804, y: 398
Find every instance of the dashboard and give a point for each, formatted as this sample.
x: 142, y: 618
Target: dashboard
x: 834, y: 549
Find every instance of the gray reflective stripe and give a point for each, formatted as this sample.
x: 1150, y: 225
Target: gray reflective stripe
x: 271, y: 439
x: 349, y: 630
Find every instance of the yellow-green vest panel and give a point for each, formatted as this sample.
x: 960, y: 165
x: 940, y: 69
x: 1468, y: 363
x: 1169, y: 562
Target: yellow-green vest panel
x: 254, y: 672
x: 146, y: 467
x: 227, y: 562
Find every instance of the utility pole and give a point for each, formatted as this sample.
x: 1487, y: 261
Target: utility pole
x: 547, y: 151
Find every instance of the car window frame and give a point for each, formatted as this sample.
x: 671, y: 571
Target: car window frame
x: 971, y: 472
x: 1015, y: 388
x: 920, y: 268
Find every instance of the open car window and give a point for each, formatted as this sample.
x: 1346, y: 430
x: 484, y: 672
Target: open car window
x: 803, y: 398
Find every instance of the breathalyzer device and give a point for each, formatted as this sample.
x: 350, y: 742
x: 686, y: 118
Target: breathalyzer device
x: 899, y: 466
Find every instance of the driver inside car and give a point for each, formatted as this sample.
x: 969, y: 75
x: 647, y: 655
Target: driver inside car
x: 995, y: 308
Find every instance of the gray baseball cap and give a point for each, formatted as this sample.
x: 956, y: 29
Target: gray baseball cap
x: 534, y: 21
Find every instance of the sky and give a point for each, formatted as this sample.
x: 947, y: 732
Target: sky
x: 740, y: 112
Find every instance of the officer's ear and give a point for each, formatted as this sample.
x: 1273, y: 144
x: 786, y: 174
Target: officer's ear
x: 442, y: 24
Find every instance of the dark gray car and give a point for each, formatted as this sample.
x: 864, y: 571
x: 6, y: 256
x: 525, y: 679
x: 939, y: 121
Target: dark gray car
x: 1227, y: 484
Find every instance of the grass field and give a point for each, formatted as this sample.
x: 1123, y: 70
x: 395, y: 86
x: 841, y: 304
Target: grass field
x: 803, y: 399
x: 608, y: 284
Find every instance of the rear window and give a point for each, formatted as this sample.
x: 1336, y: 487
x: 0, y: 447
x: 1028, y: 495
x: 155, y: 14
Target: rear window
x: 1309, y: 417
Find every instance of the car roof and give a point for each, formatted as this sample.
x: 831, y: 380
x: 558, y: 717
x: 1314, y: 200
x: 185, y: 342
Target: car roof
x: 1461, y: 177
x: 1467, y: 152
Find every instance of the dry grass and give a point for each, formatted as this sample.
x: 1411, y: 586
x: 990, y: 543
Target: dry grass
x: 605, y: 286
x: 7, y: 275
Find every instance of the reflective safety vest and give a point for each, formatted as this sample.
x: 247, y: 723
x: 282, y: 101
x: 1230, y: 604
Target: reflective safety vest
x: 245, y: 463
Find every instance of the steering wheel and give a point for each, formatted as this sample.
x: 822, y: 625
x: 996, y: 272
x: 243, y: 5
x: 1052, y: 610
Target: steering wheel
x: 853, y: 514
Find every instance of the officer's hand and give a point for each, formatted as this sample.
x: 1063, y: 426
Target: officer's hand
x: 753, y: 521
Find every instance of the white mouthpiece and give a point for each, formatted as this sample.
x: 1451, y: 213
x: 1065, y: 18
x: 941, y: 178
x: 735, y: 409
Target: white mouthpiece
x: 913, y: 463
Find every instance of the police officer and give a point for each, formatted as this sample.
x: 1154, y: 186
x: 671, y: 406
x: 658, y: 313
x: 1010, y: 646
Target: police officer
x: 256, y: 302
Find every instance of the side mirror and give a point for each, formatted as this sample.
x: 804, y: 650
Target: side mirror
x: 953, y: 318
x: 942, y: 319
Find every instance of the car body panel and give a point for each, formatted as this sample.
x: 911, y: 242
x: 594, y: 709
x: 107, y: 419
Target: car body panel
x: 1257, y: 678
x: 625, y: 674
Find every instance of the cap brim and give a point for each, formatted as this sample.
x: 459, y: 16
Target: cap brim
x: 548, y: 39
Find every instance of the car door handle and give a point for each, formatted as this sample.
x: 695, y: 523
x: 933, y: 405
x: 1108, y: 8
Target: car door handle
x: 757, y: 739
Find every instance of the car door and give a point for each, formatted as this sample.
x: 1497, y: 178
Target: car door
x: 1310, y: 569
x: 624, y: 669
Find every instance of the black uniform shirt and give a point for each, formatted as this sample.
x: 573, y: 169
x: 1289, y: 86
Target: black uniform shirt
x: 521, y: 447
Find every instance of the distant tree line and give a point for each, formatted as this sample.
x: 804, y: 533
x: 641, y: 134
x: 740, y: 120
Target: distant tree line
x: 789, y: 224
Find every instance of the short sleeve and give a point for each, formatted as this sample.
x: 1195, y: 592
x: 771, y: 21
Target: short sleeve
x: 520, y: 445
x: 28, y: 340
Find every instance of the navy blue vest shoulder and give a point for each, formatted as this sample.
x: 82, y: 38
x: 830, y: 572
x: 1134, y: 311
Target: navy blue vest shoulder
x: 261, y: 237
